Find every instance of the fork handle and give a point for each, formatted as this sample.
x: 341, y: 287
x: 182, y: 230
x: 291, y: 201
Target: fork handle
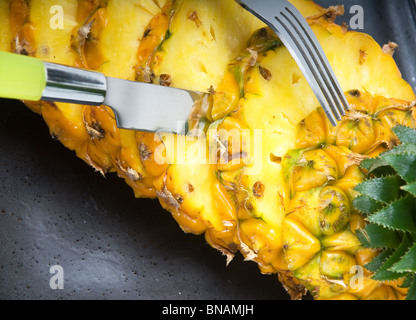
x: 28, y: 78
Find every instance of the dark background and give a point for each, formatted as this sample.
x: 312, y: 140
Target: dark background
x: 54, y: 209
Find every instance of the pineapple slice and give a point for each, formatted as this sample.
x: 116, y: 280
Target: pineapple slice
x: 281, y: 194
x: 199, y: 46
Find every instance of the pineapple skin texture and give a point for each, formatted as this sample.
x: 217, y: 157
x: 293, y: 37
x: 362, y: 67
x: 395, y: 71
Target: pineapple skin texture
x: 258, y: 210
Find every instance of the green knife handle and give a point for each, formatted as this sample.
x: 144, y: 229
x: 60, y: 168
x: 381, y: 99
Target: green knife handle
x: 21, y: 77
x: 29, y: 78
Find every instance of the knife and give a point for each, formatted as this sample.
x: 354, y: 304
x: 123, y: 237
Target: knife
x: 136, y: 105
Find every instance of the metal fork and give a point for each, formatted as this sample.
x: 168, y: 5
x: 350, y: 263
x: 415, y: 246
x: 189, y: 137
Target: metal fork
x: 297, y: 36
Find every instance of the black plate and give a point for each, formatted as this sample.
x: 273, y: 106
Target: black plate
x: 55, y: 210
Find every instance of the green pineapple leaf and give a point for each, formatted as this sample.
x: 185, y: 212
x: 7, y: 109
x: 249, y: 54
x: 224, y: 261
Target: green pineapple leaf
x: 404, y: 163
x: 407, y: 281
x: 398, y: 215
x: 374, y: 236
x: 407, y: 263
x: 377, y: 167
x: 405, y: 134
x: 401, y: 148
x: 378, y: 261
x: 411, y: 295
x: 388, y: 201
x: 411, y: 188
x: 384, y: 273
x: 366, y: 204
x: 384, y: 189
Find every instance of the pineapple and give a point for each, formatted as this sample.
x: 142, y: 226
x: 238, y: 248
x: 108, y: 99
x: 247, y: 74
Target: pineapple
x: 262, y: 173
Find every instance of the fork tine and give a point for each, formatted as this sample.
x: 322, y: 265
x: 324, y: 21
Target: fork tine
x: 290, y: 37
x: 298, y: 38
x: 311, y: 64
x: 317, y: 51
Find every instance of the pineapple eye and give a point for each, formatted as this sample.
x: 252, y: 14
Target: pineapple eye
x: 335, y: 210
x: 311, y: 131
x: 299, y: 244
x: 313, y: 169
x: 334, y: 264
x: 356, y: 133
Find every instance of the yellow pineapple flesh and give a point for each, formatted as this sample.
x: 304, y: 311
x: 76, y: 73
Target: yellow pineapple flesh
x: 267, y: 176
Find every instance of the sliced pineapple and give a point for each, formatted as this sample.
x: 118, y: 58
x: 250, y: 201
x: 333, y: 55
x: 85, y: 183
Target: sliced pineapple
x: 264, y: 173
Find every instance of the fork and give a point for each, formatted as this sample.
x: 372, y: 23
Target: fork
x: 298, y: 37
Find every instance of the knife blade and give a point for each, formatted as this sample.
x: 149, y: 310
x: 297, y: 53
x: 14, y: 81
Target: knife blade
x: 149, y: 107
